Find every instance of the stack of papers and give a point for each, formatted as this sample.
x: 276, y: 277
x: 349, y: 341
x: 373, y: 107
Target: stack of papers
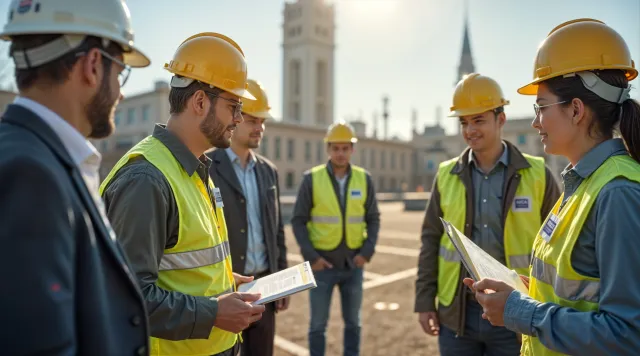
x: 479, y: 263
x: 276, y: 286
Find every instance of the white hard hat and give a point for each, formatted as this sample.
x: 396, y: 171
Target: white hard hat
x: 75, y: 19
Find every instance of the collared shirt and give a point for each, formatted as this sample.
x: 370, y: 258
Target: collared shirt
x: 144, y: 213
x: 256, y: 249
x: 85, y: 156
x: 607, y: 248
x: 488, y: 190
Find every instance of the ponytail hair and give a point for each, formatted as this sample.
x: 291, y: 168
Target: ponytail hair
x: 607, y: 115
x: 630, y: 127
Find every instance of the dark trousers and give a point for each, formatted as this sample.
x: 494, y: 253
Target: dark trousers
x: 258, y: 337
x: 480, y: 337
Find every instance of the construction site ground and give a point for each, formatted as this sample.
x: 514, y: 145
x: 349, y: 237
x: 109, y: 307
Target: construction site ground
x: 389, y: 325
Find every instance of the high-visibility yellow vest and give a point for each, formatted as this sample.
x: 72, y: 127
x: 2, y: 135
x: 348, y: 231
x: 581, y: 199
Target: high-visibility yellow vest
x: 522, y: 218
x: 552, y: 278
x: 326, y: 225
x: 200, y: 263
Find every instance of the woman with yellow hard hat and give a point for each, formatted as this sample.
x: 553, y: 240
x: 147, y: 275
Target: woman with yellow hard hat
x: 583, y: 297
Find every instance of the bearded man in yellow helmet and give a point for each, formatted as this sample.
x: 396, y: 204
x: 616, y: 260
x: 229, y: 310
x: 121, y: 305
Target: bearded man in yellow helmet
x: 250, y: 192
x: 497, y: 196
x: 336, y: 223
x: 168, y: 214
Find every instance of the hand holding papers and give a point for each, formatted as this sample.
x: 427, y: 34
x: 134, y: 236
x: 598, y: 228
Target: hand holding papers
x: 479, y: 263
x: 281, y: 284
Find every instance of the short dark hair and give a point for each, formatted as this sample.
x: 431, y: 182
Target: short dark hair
x: 178, y: 97
x: 606, y: 114
x: 57, y: 71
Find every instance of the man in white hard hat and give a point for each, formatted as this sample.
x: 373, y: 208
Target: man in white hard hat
x: 68, y: 287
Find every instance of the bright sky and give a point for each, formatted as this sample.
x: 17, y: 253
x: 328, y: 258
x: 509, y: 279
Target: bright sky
x: 408, y: 49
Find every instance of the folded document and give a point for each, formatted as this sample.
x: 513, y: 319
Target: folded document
x: 479, y: 263
x: 281, y: 284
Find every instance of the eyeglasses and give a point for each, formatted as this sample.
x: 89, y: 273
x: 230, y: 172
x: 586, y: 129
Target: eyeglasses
x: 537, y: 107
x: 237, y: 105
x: 123, y: 76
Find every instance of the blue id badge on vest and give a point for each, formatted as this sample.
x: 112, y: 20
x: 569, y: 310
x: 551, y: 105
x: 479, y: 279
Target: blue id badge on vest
x: 549, y: 227
x: 355, y: 194
x: 218, y: 196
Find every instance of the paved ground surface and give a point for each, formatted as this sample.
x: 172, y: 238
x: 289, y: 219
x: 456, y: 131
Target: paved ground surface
x: 389, y: 326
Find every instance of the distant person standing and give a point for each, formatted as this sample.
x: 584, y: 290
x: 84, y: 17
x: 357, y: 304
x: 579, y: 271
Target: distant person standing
x: 496, y: 195
x: 67, y: 286
x: 336, y: 223
x: 249, y: 185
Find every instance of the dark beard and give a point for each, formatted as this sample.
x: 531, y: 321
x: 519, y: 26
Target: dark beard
x: 101, y: 109
x: 214, y: 131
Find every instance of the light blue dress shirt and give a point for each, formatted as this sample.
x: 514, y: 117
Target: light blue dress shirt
x: 257, y: 260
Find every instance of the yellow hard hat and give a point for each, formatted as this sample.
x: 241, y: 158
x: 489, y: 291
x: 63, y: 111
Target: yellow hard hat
x: 213, y: 59
x: 340, y: 132
x: 259, y: 107
x: 475, y: 94
x: 579, y: 45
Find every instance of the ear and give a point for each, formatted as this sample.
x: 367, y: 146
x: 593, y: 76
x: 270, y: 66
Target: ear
x: 502, y: 118
x: 200, y: 103
x: 91, y: 67
x: 578, y: 111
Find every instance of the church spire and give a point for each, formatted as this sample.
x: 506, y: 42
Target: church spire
x: 466, y: 60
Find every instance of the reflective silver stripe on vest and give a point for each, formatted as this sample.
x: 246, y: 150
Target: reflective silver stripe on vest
x: 325, y: 219
x: 565, y: 288
x: 195, y: 259
x: 519, y: 261
x: 449, y: 255
x: 336, y: 219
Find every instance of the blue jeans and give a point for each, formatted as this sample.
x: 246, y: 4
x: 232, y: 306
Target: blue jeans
x: 480, y: 337
x: 350, y: 285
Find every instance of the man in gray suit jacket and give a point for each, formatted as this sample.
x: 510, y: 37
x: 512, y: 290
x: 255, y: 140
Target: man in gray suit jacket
x: 67, y: 286
x: 248, y: 183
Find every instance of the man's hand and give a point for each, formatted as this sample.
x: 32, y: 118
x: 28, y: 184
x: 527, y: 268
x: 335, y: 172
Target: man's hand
x: 320, y: 264
x: 359, y: 260
x: 492, y: 295
x: 430, y: 323
x: 240, y: 279
x: 282, y: 304
x: 525, y: 280
x: 235, y: 313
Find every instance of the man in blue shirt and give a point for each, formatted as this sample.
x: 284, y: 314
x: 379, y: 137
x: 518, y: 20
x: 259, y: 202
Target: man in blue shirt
x: 248, y: 183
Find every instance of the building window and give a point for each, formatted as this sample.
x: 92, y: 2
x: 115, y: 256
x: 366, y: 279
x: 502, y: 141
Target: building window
x: 373, y: 159
x: 522, y: 139
x: 393, y: 161
x: 430, y: 165
x: 131, y: 116
x: 295, y: 77
x: 118, y: 117
x: 402, y: 161
x: 363, y: 157
x: 321, y: 113
x: 381, y: 180
x: 290, y: 180
x: 277, y: 148
x: 319, y: 152
x: 295, y: 110
x: 291, y: 147
x: 383, y: 159
x: 307, y: 151
x: 321, y: 79
x: 263, y: 146
x: 123, y: 143
x: 145, y: 113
